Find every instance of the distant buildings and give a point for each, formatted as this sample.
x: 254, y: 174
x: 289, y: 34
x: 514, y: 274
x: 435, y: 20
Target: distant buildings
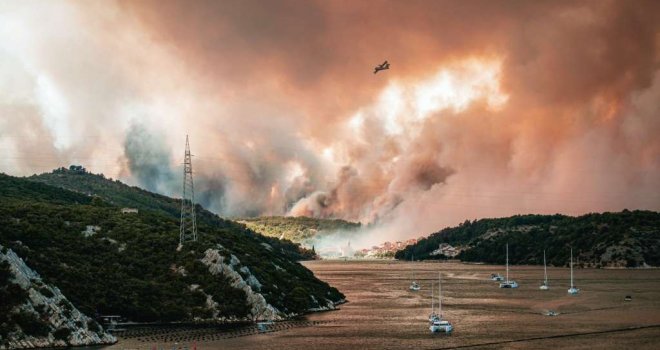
x: 446, y: 250
x: 385, y: 250
x: 129, y: 210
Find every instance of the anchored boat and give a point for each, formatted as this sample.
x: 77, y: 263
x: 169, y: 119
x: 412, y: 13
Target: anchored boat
x: 545, y: 285
x: 551, y: 313
x: 437, y: 323
x: 414, y: 286
x: 573, y: 290
x: 508, y: 283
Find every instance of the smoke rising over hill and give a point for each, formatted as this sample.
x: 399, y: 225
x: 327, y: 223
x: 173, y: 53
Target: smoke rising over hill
x: 489, y: 108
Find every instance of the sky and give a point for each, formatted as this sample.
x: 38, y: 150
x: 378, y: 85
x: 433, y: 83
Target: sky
x: 489, y: 109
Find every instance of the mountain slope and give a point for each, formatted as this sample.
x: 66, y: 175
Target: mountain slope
x: 77, y: 179
x: 127, y: 264
x: 627, y: 238
x: 88, y: 185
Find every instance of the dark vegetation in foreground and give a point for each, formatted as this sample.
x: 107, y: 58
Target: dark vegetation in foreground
x: 128, y: 266
x: 623, y: 239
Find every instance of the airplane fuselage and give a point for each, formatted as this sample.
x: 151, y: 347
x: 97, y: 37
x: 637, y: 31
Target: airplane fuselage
x: 380, y: 67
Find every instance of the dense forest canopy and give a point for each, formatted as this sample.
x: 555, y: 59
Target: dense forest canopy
x: 627, y: 238
x: 300, y: 229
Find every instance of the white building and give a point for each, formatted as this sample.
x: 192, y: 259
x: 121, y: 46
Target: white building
x: 446, y: 250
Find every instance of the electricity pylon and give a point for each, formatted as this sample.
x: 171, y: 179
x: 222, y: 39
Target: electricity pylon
x: 188, y: 229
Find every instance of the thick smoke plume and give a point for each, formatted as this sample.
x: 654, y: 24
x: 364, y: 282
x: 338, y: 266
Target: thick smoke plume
x: 489, y: 108
x: 149, y: 160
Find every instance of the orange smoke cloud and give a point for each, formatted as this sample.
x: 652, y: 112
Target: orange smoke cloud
x: 489, y: 108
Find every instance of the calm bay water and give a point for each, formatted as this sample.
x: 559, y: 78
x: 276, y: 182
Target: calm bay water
x: 383, y: 314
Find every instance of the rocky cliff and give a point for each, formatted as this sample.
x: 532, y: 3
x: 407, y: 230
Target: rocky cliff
x: 241, y: 278
x: 39, y: 315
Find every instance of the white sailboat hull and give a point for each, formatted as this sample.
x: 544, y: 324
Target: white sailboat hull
x: 544, y: 287
x: 441, y: 327
x: 509, y: 284
x: 573, y: 291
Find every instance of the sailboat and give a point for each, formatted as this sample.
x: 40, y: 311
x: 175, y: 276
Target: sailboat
x: 551, y: 313
x: 414, y: 286
x: 573, y: 290
x: 437, y: 324
x: 508, y: 283
x: 545, y: 285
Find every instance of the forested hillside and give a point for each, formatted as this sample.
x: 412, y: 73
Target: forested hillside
x: 107, y: 262
x: 627, y: 238
x: 115, y: 192
x: 298, y: 229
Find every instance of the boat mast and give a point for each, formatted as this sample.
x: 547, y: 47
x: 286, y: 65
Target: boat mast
x: 571, y: 267
x: 545, y: 269
x: 412, y: 259
x: 439, y: 296
x: 507, y: 262
x: 432, y: 299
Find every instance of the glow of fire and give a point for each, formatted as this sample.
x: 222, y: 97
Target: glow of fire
x: 401, y: 105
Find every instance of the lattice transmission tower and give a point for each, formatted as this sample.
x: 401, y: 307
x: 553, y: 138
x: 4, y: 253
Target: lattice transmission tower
x: 188, y: 229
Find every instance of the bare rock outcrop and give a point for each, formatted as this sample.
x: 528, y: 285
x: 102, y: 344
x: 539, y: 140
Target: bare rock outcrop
x: 259, y: 307
x: 60, y: 323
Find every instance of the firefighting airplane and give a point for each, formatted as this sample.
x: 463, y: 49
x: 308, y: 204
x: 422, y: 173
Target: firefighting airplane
x: 383, y: 66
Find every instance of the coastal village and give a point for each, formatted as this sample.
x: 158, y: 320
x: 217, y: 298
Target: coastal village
x: 385, y: 249
x: 388, y: 249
